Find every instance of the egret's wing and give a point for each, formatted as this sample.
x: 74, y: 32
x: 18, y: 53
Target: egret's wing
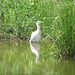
x: 33, y: 35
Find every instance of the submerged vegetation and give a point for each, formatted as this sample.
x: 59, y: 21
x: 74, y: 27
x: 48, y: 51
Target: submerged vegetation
x: 18, y: 18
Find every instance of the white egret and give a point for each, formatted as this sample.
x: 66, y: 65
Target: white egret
x: 36, y: 35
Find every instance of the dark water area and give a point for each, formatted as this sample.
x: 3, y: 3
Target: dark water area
x: 24, y: 58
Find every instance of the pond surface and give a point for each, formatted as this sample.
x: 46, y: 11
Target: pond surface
x: 24, y: 58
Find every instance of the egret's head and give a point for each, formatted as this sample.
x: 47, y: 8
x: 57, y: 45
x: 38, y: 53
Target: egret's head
x: 38, y: 23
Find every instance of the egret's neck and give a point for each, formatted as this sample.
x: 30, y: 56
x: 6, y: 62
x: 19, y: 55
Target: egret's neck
x: 38, y: 27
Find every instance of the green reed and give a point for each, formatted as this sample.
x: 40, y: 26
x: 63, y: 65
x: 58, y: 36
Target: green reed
x: 68, y: 27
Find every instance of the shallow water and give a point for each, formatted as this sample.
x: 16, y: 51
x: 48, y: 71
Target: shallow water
x: 24, y: 58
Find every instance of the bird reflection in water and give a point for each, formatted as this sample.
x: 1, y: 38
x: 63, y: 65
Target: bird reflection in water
x: 35, y: 48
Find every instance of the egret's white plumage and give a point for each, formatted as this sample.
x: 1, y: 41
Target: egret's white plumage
x: 36, y: 35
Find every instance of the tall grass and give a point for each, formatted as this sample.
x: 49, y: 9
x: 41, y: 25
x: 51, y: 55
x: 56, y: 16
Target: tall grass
x: 18, y: 18
x: 68, y: 27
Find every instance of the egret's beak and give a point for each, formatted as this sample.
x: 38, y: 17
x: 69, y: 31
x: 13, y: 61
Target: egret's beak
x: 41, y: 22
